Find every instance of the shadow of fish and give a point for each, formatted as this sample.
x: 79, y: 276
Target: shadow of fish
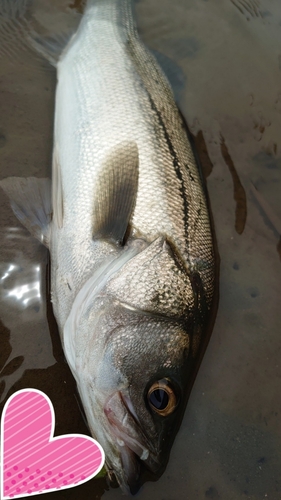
x: 128, y: 231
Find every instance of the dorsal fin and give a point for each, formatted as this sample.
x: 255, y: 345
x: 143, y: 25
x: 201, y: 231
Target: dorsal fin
x: 116, y: 192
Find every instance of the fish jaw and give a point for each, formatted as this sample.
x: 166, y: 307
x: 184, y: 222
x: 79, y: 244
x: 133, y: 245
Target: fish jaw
x: 132, y: 444
x: 117, y: 429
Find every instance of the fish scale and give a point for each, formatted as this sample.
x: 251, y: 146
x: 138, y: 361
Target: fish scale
x: 150, y: 216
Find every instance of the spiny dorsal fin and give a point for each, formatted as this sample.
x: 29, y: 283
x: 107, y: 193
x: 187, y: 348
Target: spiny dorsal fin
x: 116, y: 192
x: 31, y: 203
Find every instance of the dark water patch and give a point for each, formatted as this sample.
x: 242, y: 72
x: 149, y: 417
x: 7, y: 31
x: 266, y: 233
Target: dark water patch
x: 3, y: 140
x: 12, y: 366
x: 186, y: 47
x: 173, y: 72
x: 212, y: 493
x: 267, y: 160
x: 236, y: 266
x: 238, y: 190
x: 253, y: 292
x: 265, y: 13
x: 267, y: 212
x: 5, y: 352
x: 201, y: 148
x: 279, y: 248
x: 183, y: 48
x: 6, y: 348
x: 253, y: 320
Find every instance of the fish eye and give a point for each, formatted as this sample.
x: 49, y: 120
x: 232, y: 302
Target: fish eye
x: 161, y: 397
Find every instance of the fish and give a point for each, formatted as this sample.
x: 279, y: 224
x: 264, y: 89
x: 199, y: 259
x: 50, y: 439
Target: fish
x: 127, y: 224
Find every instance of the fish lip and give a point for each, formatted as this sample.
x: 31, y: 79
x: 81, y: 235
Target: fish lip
x: 117, y: 427
x: 132, y: 451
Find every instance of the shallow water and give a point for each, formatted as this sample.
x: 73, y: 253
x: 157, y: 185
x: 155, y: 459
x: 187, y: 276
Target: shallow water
x: 223, y: 58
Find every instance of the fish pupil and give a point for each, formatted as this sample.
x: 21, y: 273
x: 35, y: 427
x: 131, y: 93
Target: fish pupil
x: 159, y: 399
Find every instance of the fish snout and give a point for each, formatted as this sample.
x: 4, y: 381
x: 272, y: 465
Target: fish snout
x: 132, y: 445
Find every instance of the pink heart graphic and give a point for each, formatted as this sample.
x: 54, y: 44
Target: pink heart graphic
x: 35, y: 462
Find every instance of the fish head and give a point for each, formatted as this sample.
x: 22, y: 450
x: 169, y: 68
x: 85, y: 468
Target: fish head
x: 133, y: 351
x: 146, y: 407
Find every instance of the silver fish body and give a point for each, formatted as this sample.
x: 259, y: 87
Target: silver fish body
x: 130, y: 241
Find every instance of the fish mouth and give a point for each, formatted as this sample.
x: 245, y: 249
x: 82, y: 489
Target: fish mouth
x: 131, y: 443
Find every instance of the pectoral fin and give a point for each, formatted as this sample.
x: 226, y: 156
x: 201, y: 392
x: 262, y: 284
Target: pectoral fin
x: 116, y: 192
x: 31, y: 203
